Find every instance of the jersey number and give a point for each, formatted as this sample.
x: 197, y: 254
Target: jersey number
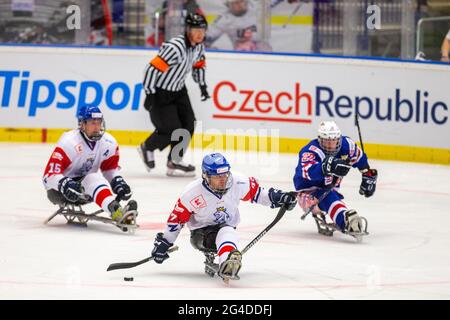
x: 54, y: 168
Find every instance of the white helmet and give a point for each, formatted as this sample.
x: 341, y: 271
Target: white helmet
x: 330, y: 137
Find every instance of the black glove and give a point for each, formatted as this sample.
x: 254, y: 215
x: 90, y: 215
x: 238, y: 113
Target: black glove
x: 369, y: 182
x: 279, y: 198
x: 71, y: 189
x: 159, y: 252
x: 204, y: 91
x: 121, y: 188
x: 149, y: 101
x: 335, y: 167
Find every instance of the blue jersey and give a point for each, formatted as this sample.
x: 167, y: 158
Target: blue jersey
x: 308, y: 173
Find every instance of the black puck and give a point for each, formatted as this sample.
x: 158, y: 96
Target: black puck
x: 128, y: 278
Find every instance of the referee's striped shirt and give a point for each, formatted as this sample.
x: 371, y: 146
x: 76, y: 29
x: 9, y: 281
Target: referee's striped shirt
x: 175, y: 59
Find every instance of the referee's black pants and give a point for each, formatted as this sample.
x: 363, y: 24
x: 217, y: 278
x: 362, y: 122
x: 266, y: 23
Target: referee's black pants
x: 171, y: 111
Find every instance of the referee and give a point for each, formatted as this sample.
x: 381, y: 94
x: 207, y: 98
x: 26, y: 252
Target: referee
x: 167, y: 99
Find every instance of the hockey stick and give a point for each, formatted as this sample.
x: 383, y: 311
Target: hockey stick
x: 359, y: 131
x: 280, y: 214
x: 127, y: 265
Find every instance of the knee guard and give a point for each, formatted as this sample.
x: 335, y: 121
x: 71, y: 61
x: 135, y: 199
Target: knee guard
x: 204, y: 239
x: 56, y: 197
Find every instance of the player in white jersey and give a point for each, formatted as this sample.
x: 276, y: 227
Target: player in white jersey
x: 72, y: 174
x: 240, y: 24
x: 209, y: 207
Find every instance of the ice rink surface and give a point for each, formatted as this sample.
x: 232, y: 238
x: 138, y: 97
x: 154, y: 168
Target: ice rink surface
x: 406, y: 255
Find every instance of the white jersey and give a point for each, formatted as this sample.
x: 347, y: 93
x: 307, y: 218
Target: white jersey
x: 199, y: 207
x: 75, y: 157
x: 235, y: 26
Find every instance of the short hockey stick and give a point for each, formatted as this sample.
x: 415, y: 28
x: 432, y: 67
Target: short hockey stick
x: 127, y: 265
x: 280, y: 214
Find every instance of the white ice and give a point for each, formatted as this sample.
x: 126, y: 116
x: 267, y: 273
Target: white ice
x: 406, y: 255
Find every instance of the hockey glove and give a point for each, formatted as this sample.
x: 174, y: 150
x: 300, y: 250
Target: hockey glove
x: 121, y: 188
x: 279, y: 198
x: 204, y: 92
x: 149, y: 101
x: 159, y: 252
x: 71, y: 189
x: 369, y: 182
x: 335, y: 167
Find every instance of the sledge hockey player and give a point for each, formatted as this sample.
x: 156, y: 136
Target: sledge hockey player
x: 209, y: 206
x: 72, y: 176
x: 241, y: 24
x: 322, y: 165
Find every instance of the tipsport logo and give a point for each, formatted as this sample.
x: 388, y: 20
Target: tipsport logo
x: 19, y: 90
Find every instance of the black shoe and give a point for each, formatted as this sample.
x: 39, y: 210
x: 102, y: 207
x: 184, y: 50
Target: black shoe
x: 180, y: 169
x: 147, y: 157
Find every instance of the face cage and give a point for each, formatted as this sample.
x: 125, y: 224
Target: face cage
x: 220, y: 192
x: 330, y: 152
x: 95, y: 137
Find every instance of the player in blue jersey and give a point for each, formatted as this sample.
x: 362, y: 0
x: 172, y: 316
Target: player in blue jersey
x: 322, y: 165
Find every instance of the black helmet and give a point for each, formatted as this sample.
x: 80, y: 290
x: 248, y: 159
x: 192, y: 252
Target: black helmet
x: 194, y: 20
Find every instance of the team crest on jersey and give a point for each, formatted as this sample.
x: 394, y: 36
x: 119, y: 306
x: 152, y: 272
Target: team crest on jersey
x: 57, y: 155
x: 308, y: 157
x: 79, y: 148
x: 198, y: 202
x: 86, y: 167
x: 221, y: 215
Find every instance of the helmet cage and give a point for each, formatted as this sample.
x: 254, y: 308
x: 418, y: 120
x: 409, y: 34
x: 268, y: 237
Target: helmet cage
x: 330, y: 138
x: 325, y: 145
x: 219, y: 191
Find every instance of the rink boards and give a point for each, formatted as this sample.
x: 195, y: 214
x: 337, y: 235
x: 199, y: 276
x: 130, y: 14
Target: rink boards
x: 259, y: 102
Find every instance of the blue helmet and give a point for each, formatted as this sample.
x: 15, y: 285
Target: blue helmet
x: 89, y: 113
x: 215, y: 164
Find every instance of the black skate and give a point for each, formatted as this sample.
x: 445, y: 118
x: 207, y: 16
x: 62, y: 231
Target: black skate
x: 211, y: 268
x: 229, y: 269
x: 180, y: 169
x: 147, y: 157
